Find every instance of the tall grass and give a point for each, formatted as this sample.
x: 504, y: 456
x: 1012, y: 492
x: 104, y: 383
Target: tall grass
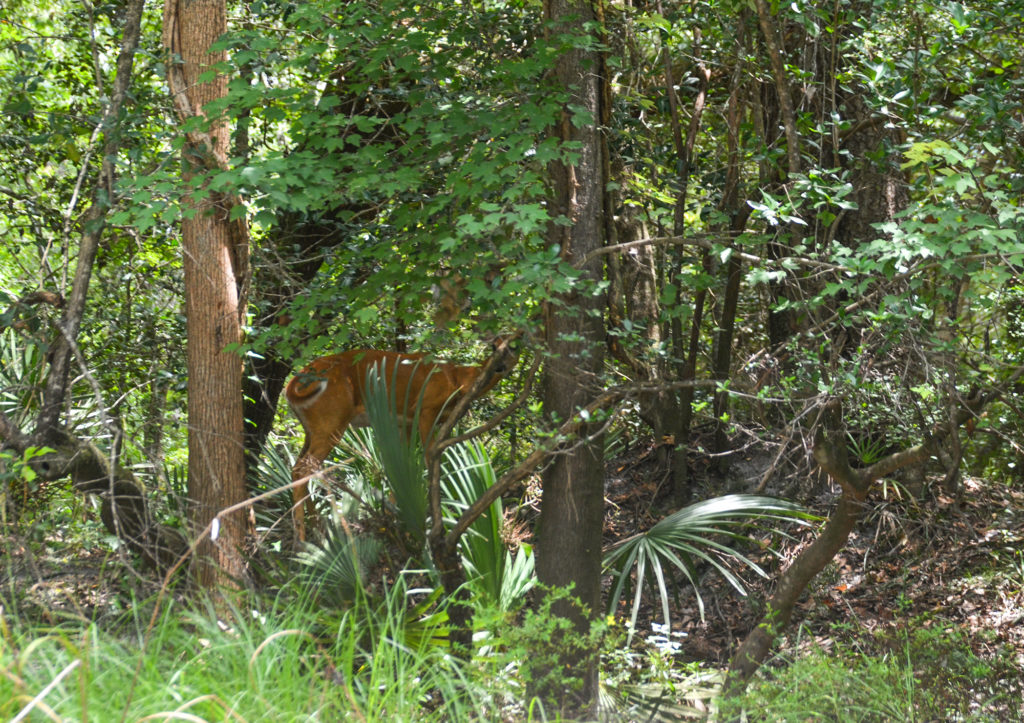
x: 263, y: 664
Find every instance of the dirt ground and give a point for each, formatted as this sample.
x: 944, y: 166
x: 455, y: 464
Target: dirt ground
x: 956, y: 566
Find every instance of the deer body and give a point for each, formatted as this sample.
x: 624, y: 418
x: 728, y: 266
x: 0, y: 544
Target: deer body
x: 328, y: 396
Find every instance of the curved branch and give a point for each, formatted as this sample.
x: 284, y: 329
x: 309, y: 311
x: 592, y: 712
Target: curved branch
x: 831, y: 455
x: 124, y: 511
x: 12, y: 435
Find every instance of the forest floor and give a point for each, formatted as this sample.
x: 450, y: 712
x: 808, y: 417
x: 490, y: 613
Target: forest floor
x: 927, y: 581
x: 914, y: 577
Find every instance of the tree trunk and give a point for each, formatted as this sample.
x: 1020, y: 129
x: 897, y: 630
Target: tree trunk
x: 633, y: 297
x: 782, y: 324
x: 687, y: 368
x: 215, y: 257
x: 572, y: 506
x: 738, y: 214
x: 723, y: 349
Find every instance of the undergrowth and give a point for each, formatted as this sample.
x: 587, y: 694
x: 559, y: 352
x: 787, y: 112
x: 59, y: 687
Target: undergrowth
x: 918, y: 672
x: 259, y: 662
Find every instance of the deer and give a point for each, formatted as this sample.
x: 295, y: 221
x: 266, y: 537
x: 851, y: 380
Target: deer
x: 328, y: 396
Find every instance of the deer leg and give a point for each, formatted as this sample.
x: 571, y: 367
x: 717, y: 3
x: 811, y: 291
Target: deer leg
x: 309, y: 463
x: 320, y: 440
x: 304, y: 468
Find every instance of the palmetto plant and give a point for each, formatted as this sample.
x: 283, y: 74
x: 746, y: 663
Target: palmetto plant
x: 503, y: 578
x: 389, y: 455
x: 336, y: 566
x: 398, y: 448
x: 706, y: 533
x: 866, y: 450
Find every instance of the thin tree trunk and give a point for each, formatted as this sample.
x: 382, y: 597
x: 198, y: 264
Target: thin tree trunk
x: 215, y: 253
x: 688, y: 367
x: 738, y: 213
x: 93, y: 223
x: 830, y: 453
x: 781, y: 324
x: 773, y: 44
x: 723, y: 343
x: 758, y: 643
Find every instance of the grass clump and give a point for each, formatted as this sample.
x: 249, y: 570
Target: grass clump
x: 913, y: 673
x: 260, y: 662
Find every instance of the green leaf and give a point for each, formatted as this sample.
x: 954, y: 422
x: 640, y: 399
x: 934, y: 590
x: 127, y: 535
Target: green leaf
x: 691, y: 534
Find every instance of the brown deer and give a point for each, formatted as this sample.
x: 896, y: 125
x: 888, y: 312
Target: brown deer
x: 328, y: 396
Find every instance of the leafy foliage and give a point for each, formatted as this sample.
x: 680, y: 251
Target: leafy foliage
x: 686, y: 539
x: 429, y: 159
x: 501, y: 577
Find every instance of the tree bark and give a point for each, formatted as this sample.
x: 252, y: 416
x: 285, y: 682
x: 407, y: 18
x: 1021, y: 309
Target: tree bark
x: 572, y: 506
x: 215, y: 251
x: 773, y: 44
x: 782, y: 324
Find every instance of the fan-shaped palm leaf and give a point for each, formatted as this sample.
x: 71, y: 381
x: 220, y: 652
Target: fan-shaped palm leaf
x: 690, y: 536
x: 335, y: 566
x: 466, y: 474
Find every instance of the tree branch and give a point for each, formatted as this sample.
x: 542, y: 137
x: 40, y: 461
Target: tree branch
x: 710, y: 242
x: 831, y: 455
x: 434, y: 449
x: 773, y: 44
x: 93, y: 225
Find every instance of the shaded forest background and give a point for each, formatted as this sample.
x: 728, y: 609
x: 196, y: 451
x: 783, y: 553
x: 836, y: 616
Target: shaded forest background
x: 746, y: 250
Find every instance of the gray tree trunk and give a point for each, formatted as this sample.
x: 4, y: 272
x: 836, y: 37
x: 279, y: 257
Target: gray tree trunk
x: 569, y: 539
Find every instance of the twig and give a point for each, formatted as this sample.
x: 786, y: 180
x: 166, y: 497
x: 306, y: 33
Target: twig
x: 709, y: 242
